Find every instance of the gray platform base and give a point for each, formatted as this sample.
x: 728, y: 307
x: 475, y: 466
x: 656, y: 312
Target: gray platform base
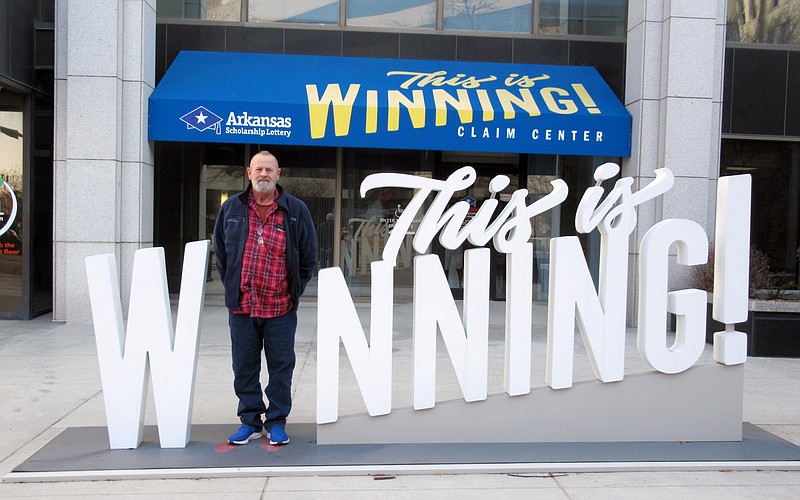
x: 703, y: 403
x: 82, y: 454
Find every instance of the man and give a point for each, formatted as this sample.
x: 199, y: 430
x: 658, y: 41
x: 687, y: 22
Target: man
x: 266, y: 252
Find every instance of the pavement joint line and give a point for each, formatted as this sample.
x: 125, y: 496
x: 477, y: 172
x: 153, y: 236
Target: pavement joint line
x: 411, y: 469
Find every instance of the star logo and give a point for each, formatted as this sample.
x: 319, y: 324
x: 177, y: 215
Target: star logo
x: 202, y: 119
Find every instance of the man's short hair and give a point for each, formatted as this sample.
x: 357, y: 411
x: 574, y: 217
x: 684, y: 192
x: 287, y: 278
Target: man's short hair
x: 265, y: 153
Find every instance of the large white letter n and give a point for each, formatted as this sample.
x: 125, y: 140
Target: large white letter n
x: 125, y: 359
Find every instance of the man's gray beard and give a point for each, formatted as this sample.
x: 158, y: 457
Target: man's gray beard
x: 264, y: 188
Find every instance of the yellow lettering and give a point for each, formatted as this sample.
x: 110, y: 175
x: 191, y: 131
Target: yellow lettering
x: 415, y: 107
x: 586, y: 98
x: 486, y: 105
x: 461, y: 104
x: 342, y: 109
x: 560, y: 106
x: 525, y: 101
x: 437, y: 79
x: 372, y: 112
x: 416, y: 77
x: 524, y: 80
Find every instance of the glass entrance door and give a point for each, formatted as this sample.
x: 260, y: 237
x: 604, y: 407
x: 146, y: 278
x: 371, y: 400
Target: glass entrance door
x: 487, y: 167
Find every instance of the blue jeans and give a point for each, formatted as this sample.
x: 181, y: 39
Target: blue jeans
x: 276, y: 337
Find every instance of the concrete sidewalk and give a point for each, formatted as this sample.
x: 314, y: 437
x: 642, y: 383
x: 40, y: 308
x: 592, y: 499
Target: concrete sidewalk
x: 50, y: 379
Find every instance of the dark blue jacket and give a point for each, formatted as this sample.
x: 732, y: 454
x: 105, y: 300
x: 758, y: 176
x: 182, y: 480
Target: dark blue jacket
x: 230, y: 234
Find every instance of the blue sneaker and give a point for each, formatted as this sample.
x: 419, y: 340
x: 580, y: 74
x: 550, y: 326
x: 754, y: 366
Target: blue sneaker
x: 277, y: 435
x: 244, y: 435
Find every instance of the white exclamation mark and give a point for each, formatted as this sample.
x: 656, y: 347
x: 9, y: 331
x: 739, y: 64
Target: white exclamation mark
x: 732, y: 267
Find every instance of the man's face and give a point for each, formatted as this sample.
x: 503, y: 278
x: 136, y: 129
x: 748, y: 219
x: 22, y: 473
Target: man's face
x: 263, y: 173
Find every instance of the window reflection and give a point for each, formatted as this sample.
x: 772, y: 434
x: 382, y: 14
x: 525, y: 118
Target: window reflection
x: 298, y: 11
x: 542, y: 170
x: 544, y: 227
x: 11, y: 213
x: 775, y: 171
x: 367, y: 222
x: 563, y: 17
x: 488, y: 15
x: 212, y: 10
x: 583, y: 17
x: 764, y: 21
x: 399, y: 14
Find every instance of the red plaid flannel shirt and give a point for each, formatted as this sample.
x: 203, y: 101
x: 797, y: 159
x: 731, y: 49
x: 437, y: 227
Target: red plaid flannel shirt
x: 264, y: 287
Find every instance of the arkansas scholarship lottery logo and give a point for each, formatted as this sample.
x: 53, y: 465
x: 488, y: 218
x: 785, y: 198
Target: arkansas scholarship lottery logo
x: 202, y: 119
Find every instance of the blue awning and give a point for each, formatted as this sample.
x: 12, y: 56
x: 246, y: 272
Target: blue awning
x: 388, y: 103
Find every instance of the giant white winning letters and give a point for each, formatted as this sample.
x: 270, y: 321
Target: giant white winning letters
x: 126, y: 357
x: 150, y: 342
x: 573, y: 300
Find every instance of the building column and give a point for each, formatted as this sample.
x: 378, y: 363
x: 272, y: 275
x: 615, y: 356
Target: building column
x: 673, y: 90
x: 103, y: 195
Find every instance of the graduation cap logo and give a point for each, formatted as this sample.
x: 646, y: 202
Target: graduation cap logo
x: 469, y: 199
x: 202, y: 119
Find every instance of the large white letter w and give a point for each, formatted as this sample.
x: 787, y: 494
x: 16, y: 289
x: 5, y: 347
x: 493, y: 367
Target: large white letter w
x: 125, y: 359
